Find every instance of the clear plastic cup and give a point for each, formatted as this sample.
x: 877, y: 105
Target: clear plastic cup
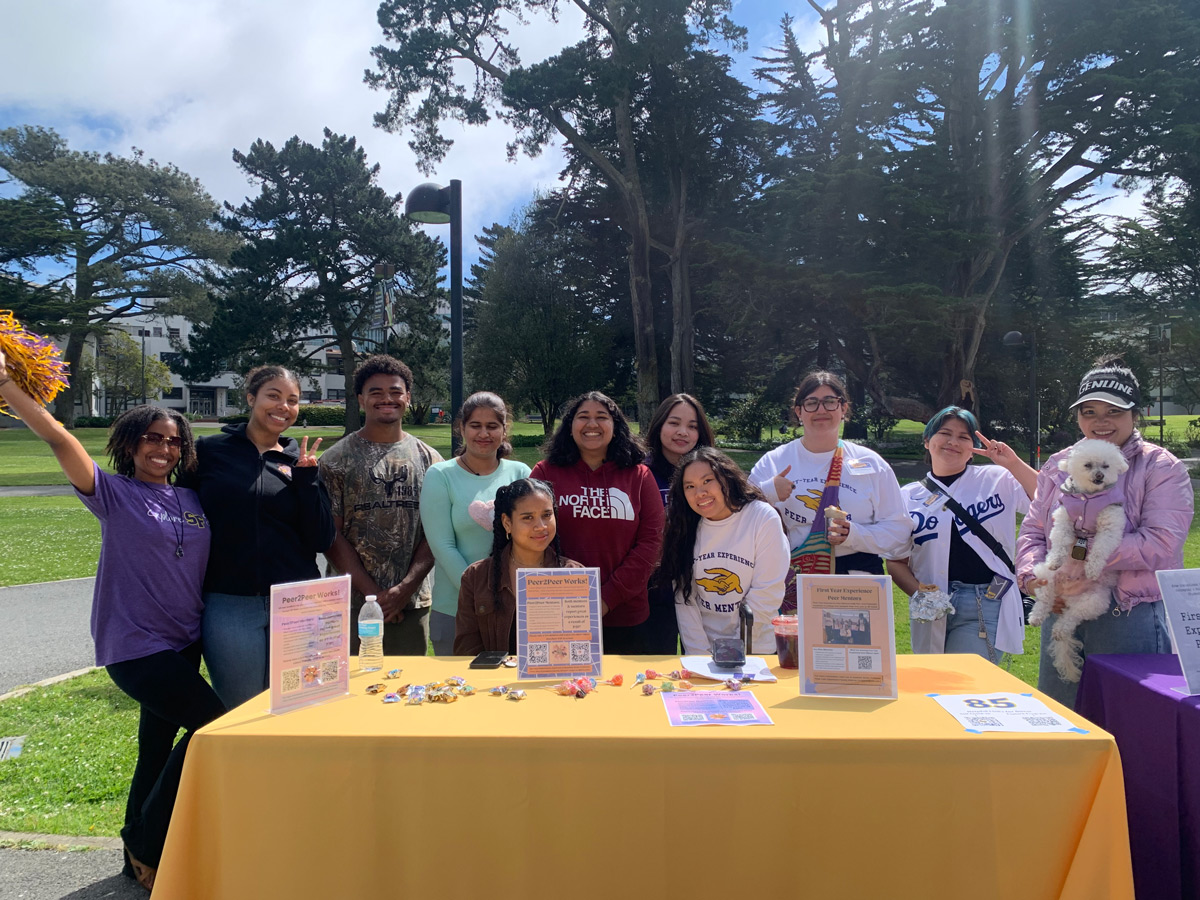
x: 787, y: 636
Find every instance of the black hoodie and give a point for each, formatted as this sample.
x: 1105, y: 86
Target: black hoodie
x: 269, y: 517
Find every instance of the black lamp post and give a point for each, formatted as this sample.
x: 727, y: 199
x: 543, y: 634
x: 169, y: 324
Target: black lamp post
x: 432, y: 204
x: 1016, y: 339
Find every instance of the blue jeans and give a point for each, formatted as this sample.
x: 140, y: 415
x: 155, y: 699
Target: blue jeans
x: 1141, y: 630
x: 236, y: 632
x: 962, y: 627
x: 441, y: 633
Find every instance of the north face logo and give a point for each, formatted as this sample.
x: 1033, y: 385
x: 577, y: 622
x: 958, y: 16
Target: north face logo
x: 599, y: 503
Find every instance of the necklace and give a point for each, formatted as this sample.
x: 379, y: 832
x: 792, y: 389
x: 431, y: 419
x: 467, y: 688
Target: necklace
x: 176, y: 523
x: 462, y: 461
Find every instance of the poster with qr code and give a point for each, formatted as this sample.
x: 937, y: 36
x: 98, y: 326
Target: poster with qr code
x: 690, y: 708
x: 558, y: 623
x: 1002, y: 711
x: 310, y: 642
x: 847, y: 636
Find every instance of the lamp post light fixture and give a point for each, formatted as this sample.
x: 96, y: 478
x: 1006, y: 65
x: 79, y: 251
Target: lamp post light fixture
x: 432, y: 204
x: 1017, y: 339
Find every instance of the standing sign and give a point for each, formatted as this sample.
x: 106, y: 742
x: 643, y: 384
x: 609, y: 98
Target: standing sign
x: 558, y: 623
x: 310, y: 642
x: 847, y: 636
x: 1181, y: 598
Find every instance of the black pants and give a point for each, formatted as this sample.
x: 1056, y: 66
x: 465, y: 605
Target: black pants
x: 172, y: 695
x: 660, y: 632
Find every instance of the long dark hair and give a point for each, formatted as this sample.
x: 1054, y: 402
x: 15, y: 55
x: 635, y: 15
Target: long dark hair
x: 506, y: 500
x: 653, y: 436
x: 679, y: 539
x: 126, y: 433
x: 484, y: 400
x: 624, y: 450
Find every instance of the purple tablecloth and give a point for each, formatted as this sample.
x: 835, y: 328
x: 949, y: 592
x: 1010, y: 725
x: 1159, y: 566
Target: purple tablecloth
x: 1158, y: 734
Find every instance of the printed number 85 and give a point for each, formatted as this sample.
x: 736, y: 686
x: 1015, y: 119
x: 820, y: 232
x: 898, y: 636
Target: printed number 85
x: 997, y: 703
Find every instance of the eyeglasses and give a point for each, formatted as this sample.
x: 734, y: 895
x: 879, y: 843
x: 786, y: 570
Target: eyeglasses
x: 153, y: 437
x: 812, y: 404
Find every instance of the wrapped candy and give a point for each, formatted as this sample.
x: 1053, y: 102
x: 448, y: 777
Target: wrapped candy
x: 466, y: 690
x: 34, y: 364
x: 416, y: 695
x: 929, y: 603
x: 516, y: 695
x: 651, y: 675
x: 392, y: 697
x: 648, y: 689
x: 456, y: 680
x: 376, y: 688
x: 393, y: 673
x: 499, y: 690
x: 616, y: 681
x: 685, y: 685
x: 733, y: 684
x: 668, y: 687
x: 640, y: 679
x: 443, y: 695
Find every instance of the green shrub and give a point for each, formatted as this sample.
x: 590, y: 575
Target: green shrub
x: 239, y: 419
x: 93, y: 421
x: 327, y: 416
x: 1192, y: 435
x: 527, y: 440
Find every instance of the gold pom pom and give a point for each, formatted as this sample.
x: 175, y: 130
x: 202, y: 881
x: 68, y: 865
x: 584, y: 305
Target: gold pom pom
x: 34, y: 363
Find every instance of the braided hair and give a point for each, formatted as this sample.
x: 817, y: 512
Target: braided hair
x: 126, y: 433
x: 506, y: 501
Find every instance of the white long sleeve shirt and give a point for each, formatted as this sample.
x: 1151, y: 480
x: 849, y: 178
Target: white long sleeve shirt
x: 743, y: 557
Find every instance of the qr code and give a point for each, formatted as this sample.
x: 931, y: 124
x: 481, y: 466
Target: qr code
x: 1042, y: 721
x: 581, y: 652
x: 864, y: 663
x: 289, y: 680
x: 539, y: 654
x: 742, y: 717
x: 692, y: 717
x: 329, y: 670
x: 982, y: 721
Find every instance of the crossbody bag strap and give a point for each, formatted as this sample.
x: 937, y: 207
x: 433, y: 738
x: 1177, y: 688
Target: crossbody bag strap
x: 971, y: 522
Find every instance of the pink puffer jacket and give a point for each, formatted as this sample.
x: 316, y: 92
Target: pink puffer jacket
x: 1158, y: 513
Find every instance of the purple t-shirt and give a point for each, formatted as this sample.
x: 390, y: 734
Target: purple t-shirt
x: 147, y: 599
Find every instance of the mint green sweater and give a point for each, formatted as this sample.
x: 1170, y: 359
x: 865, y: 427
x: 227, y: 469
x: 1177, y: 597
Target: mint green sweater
x: 454, y: 536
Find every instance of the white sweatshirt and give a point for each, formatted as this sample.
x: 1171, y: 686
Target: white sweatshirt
x: 742, y: 557
x: 869, y: 493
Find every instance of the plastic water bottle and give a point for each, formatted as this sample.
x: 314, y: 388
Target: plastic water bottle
x: 370, y: 636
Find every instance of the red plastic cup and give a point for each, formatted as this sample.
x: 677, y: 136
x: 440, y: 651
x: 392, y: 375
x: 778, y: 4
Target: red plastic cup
x: 787, y: 636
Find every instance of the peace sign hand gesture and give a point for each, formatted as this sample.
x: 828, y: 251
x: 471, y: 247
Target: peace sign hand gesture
x: 308, y: 458
x: 1002, y: 455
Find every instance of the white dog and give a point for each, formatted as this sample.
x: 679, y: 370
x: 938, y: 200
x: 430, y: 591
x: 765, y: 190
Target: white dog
x: 1091, y: 521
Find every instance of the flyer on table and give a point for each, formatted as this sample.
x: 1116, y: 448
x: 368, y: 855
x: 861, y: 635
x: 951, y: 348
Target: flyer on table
x: 1181, y: 599
x: 310, y: 642
x: 847, y: 638
x: 691, y: 708
x: 558, y: 623
x: 1004, y: 711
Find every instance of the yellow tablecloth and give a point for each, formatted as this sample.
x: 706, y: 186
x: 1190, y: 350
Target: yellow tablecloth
x: 552, y: 796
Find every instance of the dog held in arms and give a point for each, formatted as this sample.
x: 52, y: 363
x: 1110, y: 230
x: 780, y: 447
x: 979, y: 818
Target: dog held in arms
x: 1087, y: 529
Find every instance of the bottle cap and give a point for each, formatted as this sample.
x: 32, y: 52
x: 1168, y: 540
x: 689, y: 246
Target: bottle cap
x: 370, y: 598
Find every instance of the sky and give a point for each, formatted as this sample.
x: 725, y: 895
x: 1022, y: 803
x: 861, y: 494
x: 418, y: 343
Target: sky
x: 189, y: 82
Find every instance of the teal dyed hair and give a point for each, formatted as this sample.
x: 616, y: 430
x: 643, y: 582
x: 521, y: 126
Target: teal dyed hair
x: 953, y: 412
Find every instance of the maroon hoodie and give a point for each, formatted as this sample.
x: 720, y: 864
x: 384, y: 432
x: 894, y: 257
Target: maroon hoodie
x: 611, y: 519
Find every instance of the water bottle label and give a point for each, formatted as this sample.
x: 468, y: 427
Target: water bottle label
x: 370, y: 629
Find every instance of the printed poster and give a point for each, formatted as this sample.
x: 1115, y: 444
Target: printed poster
x: 310, y: 642
x: 558, y: 623
x: 847, y: 636
x: 690, y: 708
x: 1181, y: 599
x: 1004, y: 711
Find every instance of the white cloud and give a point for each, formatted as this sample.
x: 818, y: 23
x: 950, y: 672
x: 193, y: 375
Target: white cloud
x: 187, y: 83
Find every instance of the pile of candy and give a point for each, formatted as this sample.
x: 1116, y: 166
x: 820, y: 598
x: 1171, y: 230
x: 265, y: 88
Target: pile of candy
x: 676, y: 680
x: 447, y: 691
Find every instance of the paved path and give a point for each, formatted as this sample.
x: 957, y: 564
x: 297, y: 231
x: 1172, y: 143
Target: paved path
x: 45, y: 490
x: 45, y: 630
x: 56, y: 874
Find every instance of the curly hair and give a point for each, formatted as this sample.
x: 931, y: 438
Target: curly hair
x: 381, y: 364
x: 260, y: 375
x: 653, y: 437
x: 126, y: 434
x: 679, y: 539
x: 506, y: 501
x: 625, y: 449
x: 483, y: 400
